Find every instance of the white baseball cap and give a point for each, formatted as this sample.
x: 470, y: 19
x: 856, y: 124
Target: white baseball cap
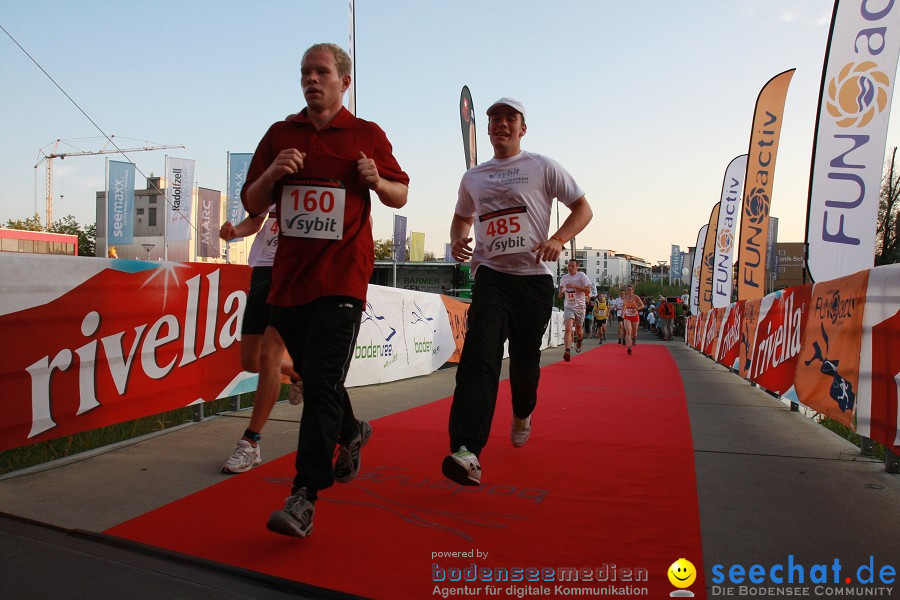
x: 506, y: 101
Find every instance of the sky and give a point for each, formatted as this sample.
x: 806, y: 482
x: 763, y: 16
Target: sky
x: 645, y: 103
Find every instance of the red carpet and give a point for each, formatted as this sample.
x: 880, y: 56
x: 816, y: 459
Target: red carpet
x: 605, y: 485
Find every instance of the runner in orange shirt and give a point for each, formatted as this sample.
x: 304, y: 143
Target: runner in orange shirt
x: 633, y: 304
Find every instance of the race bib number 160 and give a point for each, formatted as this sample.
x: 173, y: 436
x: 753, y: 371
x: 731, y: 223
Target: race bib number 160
x: 313, y: 209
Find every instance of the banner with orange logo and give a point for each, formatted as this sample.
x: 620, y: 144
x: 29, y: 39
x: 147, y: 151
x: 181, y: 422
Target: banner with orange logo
x: 726, y: 230
x: 764, y: 137
x: 695, y: 270
x: 778, y: 339
x: 827, y: 374
x: 707, y: 260
x: 748, y: 335
x: 851, y: 132
x: 877, y: 416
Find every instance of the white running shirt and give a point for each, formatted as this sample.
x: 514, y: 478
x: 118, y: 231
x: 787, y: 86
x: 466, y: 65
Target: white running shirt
x: 510, y: 200
x: 262, y: 251
x: 574, y: 298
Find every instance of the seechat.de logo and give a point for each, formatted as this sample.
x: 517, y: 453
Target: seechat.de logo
x: 858, y: 93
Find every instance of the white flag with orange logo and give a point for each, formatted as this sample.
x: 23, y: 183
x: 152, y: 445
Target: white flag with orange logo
x: 726, y: 232
x: 848, y: 154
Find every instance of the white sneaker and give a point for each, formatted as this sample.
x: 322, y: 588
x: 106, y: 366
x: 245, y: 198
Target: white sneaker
x: 462, y: 467
x: 295, y: 392
x: 520, y: 431
x: 243, y: 458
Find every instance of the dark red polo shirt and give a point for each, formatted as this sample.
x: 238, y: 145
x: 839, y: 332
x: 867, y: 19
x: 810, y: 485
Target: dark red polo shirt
x: 309, y: 268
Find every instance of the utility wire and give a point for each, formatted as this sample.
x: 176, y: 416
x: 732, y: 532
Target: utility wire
x: 103, y: 133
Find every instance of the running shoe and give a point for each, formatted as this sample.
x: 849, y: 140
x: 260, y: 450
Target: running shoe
x: 295, y: 392
x: 347, y: 465
x: 243, y: 458
x: 296, y: 518
x: 567, y: 356
x: 520, y: 431
x: 578, y: 344
x: 629, y: 349
x: 462, y: 467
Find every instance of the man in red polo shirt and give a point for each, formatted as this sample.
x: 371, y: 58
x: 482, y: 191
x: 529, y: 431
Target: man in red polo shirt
x: 319, y: 168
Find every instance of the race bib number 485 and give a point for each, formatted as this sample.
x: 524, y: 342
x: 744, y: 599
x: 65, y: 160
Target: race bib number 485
x: 504, y: 231
x: 313, y: 209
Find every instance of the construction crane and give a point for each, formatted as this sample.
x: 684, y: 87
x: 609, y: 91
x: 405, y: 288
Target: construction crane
x: 48, y: 158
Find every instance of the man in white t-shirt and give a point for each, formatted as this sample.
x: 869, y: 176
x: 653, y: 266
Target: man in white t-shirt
x: 246, y: 453
x: 573, y: 285
x: 618, y: 307
x: 508, y: 200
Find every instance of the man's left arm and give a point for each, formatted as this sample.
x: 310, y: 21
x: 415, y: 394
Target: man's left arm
x: 577, y: 220
x: 391, y: 193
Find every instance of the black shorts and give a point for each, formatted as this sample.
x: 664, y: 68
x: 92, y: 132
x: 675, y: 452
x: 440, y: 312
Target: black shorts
x: 256, y: 315
x: 601, y: 321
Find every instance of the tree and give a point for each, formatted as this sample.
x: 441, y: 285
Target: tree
x: 887, y: 236
x: 29, y: 224
x: 87, y: 236
x: 384, y: 249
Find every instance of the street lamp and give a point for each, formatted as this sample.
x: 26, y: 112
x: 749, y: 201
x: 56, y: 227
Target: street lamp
x: 661, y: 263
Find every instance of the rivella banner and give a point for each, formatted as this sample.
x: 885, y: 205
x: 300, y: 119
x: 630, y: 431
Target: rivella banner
x: 777, y: 341
x: 102, y: 341
x: 179, y: 198
x: 764, y: 138
x: 119, y: 203
x: 851, y: 132
x: 726, y: 231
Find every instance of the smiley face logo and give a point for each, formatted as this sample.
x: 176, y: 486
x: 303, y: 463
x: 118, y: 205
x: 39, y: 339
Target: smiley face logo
x: 682, y: 573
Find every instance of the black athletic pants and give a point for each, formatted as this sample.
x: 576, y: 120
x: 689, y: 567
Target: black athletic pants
x: 320, y: 338
x: 503, y: 306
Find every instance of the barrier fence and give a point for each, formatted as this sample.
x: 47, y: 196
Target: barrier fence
x: 833, y: 346
x: 92, y: 342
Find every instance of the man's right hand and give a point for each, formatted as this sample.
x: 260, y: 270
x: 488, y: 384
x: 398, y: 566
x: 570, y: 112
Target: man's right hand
x: 226, y: 231
x: 288, y: 161
x: 460, y: 249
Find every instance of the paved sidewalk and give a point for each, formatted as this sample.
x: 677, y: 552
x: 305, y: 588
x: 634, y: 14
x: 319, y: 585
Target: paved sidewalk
x: 771, y: 483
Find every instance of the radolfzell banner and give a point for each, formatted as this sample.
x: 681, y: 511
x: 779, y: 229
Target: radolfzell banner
x: 851, y: 132
x: 119, y: 203
x: 764, y: 138
x: 399, y: 238
x: 706, y: 261
x: 208, y: 215
x: 730, y: 344
x: 726, y: 230
x: 238, y: 163
x: 179, y: 198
